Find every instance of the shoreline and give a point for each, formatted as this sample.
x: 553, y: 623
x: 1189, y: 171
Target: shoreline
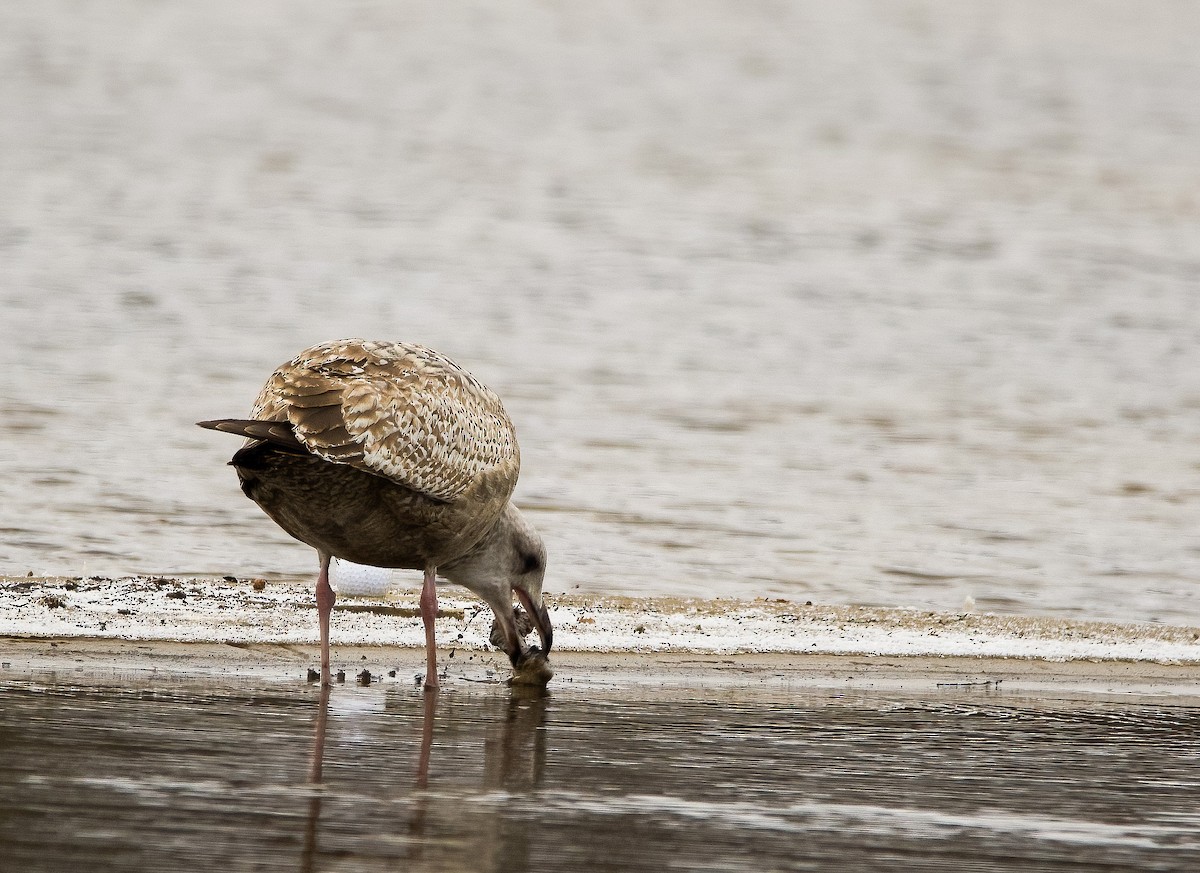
x: 92, y: 662
x: 244, y: 612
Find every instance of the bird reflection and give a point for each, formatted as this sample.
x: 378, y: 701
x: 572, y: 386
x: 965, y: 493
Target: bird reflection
x: 514, y: 753
x: 416, y: 825
x: 318, y: 752
x: 315, y: 765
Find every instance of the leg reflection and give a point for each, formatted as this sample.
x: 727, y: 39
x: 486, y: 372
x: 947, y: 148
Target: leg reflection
x: 318, y: 752
x: 431, y: 696
x: 315, y: 766
x: 416, y: 825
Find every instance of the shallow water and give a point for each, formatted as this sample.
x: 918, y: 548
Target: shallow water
x: 893, y: 306
x: 137, y: 773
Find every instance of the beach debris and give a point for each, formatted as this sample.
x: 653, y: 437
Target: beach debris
x: 979, y: 683
x: 359, y: 580
x: 258, y: 584
x: 364, y: 678
x: 313, y: 675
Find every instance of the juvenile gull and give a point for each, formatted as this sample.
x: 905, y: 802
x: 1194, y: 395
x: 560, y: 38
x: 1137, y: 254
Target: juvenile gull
x: 390, y: 454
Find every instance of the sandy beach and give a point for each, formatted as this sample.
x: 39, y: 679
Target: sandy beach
x: 281, y: 611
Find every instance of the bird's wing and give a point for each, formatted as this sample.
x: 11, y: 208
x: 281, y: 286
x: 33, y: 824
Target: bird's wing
x: 397, y: 410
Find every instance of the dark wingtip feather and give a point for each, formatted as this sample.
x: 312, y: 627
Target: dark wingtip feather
x: 215, y: 424
x: 278, y: 433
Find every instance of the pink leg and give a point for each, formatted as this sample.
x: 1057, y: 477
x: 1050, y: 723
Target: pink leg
x: 429, y: 610
x: 325, y: 599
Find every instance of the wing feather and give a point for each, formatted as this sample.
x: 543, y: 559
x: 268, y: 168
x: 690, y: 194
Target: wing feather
x: 397, y: 410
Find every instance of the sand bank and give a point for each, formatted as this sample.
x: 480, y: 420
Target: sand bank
x: 280, y: 612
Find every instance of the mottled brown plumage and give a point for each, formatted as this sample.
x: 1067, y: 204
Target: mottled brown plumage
x: 392, y: 455
x: 398, y: 410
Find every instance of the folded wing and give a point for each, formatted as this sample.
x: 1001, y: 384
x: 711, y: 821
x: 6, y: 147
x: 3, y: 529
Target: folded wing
x: 397, y: 410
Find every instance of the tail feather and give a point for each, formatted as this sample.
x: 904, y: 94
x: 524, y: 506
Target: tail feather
x: 277, y: 433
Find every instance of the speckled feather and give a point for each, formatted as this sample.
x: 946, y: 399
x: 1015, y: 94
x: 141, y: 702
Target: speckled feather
x: 397, y: 410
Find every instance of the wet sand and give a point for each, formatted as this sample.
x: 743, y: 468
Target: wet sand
x: 136, y: 755
x: 623, y: 673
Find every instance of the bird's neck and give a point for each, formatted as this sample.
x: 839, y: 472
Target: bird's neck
x: 488, y: 551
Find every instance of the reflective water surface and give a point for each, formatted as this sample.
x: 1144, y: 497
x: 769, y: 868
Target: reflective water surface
x: 206, y: 774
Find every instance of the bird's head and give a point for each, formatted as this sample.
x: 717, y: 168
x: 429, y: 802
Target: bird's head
x: 510, y: 559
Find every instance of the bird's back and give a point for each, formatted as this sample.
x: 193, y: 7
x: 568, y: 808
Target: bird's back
x: 399, y: 457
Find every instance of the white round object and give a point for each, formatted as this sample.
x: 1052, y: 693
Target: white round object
x: 359, y: 579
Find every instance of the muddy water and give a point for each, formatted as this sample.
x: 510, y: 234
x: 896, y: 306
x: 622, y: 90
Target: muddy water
x: 149, y: 775
x: 886, y: 305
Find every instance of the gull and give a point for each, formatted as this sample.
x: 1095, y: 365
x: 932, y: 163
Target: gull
x: 392, y: 455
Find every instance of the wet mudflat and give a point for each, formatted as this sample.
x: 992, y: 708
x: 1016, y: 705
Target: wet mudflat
x: 125, y: 772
